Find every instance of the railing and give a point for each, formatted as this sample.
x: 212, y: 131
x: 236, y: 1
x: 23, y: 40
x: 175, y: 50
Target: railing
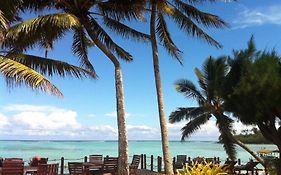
x: 151, y: 162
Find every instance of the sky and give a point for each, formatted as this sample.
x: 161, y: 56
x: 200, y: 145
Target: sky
x: 87, y: 111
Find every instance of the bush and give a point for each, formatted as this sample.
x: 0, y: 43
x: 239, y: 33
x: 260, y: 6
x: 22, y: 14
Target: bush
x: 203, y: 169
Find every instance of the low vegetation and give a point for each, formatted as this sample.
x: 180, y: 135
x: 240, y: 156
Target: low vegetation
x: 203, y: 169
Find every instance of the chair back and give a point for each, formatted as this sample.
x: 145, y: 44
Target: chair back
x: 251, y: 165
x: 136, y: 160
x: 36, y: 162
x: 134, y: 165
x: 96, y: 158
x: 110, y: 165
x: 47, y: 169
x: 12, y: 167
x: 181, y: 158
x: 76, y: 168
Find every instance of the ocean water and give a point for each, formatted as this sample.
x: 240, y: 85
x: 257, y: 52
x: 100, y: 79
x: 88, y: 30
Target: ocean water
x: 76, y: 150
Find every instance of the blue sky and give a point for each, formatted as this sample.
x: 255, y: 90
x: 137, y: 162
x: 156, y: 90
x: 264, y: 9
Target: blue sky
x: 87, y: 110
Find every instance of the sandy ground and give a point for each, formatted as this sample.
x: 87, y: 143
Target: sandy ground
x: 147, y: 172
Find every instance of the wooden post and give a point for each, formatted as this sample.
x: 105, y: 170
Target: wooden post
x: 218, y: 160
x: 61, y: 165
x: 151, y: 162
x: 85, y: 159
x: 144, y: 157
x: 141, y: 161
x: 239, y: 162
x: 159, y: 163
x: 174, y: 164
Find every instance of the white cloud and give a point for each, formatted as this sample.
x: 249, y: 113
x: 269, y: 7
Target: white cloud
x: 3, y: 121
x: 258, y: 16
x: 114, y: 114
x: 48, y: 122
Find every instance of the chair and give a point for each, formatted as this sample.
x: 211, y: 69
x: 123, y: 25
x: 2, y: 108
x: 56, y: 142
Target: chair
x: 95, y: 158
x: 12, y: 167
x: 134, y: 165
x: 180, y: 161
x: 250, y: 166
x: 230, y: 165
x: 48, y: 169
x: 76, y: 168
x: 36, y: 162
x: 110, y: 165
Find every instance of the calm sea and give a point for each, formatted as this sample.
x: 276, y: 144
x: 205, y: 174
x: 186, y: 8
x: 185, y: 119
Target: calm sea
x: 79, y: 149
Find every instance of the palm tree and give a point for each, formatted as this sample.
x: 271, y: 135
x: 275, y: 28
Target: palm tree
x: 82, y: 17
x: 185, y: 15
x: 210, y: 104
x: 19, y: 68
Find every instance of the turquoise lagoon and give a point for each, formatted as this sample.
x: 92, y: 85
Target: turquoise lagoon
x: 72, y: 150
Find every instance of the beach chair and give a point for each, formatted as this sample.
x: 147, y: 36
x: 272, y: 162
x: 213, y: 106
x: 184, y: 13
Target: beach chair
x: 95, y: 158
x: 47, y: 169
x: 77, y: 168
x: 36, y: 162
x: 110, y: 165
x: 248, y: 167
x: 134, y: 165
x: 12, y: 167
x: 229, y: 164
x: 180, y: 161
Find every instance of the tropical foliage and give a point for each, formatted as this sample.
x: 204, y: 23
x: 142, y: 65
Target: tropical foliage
x: 203, y: 169
x: 210, y: 103
x: 253, y: 89
x: 20, y: 68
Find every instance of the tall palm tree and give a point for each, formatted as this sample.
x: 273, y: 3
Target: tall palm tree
x: 187, y: 17
x: 19, y: 68
x: 210, y: 104
x: 83, y: 17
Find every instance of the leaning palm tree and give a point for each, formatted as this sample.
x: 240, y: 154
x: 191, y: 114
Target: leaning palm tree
x: 19, y: 68
x: 187, y: 17
x: 210, y: 104
x: 83, y: 19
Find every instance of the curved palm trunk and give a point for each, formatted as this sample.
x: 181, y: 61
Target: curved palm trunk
x: 123, y: 167
x: 160, y: 98
x: 246, y: 148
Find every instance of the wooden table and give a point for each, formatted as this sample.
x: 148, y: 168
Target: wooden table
x: 93, y: 167
x: 30, y: 169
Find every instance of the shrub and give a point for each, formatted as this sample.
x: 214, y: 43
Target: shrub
x: 203, y: 169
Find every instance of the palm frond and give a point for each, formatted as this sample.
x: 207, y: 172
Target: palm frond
x: 165, y: 38
x: 187, y: 113
x: 33, y: 31
x: 10, y: 9
x: 188, y: 26
x: 225, y: 127
x: 18, y: 74
x: 50, y: 67
x: 125, y: 31
x: 106, y: 39
x: 80, y: 48
x: 200, y: 78
x: 188, y: 89
x: 206, y: 19
x: 3, y: 22
x: 122, y: 9
x: 193, y: 126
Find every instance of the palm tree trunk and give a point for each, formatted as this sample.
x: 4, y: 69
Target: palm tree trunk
x: 123, y: 167
x: 246, y: 148
x: 160, y: 98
